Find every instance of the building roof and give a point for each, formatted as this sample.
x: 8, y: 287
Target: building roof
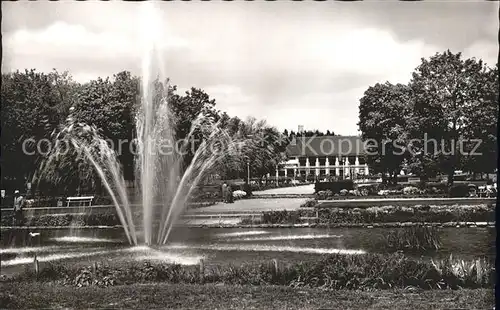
x: 326, y: 146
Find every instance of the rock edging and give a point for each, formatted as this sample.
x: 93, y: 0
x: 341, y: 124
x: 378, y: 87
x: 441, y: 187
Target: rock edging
x: 303, y: 225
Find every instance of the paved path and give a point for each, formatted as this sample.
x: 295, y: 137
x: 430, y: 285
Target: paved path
x: 293, y: 190
x: 256, y: 205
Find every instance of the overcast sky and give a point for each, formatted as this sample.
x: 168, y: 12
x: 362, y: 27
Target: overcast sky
x: 292, y: 63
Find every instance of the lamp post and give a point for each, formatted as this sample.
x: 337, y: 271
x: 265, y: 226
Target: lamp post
x: 248, y: 171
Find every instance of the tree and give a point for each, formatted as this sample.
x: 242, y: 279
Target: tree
x: 262, y: 148
x: 382, y: 120
x: 30, y: 112
x: 186, y: 110
x: 481, y: 133
x: 446, y: 90
x: 110, y: 105
x: 65, y: 90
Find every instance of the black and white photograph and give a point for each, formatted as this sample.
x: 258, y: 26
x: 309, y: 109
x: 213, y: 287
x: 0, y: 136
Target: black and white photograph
x: 249, y: 154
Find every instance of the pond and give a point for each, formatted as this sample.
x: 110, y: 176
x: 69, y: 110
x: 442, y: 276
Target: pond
x: 227, y: 245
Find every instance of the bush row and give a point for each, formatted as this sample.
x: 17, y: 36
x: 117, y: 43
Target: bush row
x: 96, y: 219
x: 387, y: 214
x: 367, y: 271
x: 334, y: 186
x: 330, y: 190
x: 361, y: 194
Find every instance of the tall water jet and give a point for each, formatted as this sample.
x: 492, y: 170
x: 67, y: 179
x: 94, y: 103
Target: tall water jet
x: 86, y: 143
x: 164, y: 180
x: 146, y: 121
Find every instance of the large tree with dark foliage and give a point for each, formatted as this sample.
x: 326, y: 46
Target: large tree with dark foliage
x: 382, y: 122
x: 36, y: 105
x: 451, y: 96
x: 33, y: 105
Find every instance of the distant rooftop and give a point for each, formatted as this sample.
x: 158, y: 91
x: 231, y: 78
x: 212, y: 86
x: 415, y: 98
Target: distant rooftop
x: 326, y: 146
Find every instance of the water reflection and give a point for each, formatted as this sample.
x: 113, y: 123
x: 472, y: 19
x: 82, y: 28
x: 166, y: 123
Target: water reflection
x: 236, y: 246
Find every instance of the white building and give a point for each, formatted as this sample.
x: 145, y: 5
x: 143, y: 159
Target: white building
x: 341, y: 156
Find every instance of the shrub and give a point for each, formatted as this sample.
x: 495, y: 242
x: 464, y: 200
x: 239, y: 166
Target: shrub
x: 354, y: 192
x: 247, y: 189
x: 310, y: 203
x: 281, y: 217
x: 434, y: 187
x: 368, y: 189
x: 334, y: 186
x: 322, y: 195
x: 239, y: 194
x: 459, y: 190
x: 410, y: 190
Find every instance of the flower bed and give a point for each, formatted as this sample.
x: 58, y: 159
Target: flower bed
x: 97, y: 219
x: 388, y: 214
x: 355, y: 194
x: 307, y: 214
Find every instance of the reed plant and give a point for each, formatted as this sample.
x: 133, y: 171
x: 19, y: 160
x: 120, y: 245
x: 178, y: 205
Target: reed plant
x: 365, y: 271
x: 415, y: 238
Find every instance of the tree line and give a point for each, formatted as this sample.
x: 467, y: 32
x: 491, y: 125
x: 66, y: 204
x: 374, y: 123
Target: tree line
x: 37, y: 104
x: 444, y: 119
x: 307, y: 133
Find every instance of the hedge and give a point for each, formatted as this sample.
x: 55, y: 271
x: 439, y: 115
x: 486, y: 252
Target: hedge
x: 334, y: 186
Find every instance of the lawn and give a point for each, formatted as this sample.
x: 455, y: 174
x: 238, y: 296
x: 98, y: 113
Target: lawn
x: 193, y: 296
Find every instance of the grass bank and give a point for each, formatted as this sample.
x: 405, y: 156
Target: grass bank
x: 193, y: 296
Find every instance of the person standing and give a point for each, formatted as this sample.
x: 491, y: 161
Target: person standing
x: 19, y: 202
x: 248, y: 189
x: 229, y: 194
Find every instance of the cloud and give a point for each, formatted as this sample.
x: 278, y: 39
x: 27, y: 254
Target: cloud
x: 485, y: 50
x: 233, y: 100
x: 335, y: 111
x: 368, y: 51
x: 305, y: 67
x: 76, y: 41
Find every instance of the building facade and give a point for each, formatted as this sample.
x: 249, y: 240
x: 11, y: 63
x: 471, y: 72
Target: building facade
x: 325, y: 156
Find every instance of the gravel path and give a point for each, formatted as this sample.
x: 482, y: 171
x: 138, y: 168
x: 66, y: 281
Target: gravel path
x: 294, y: 190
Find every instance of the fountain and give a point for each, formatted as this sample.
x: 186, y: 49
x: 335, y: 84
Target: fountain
x: 164, y: 184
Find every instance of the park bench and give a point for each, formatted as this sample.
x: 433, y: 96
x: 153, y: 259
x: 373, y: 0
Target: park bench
x: 82, y: 201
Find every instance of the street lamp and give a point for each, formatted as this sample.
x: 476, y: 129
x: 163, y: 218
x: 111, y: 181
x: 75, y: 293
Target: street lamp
x: 277, y: 175
x: 248, y: 171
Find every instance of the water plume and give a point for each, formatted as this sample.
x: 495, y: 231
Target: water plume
x: 165, y: 180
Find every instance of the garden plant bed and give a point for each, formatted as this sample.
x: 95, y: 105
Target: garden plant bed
x: 388, y: 216
x: 95, y: 207
x: 347, y: 225
x: 259, y: 225
x: 457, y: 214
x: 273, y: 196
x: 334, y: 271
x: 401, y: 202
x: 349, y: 197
